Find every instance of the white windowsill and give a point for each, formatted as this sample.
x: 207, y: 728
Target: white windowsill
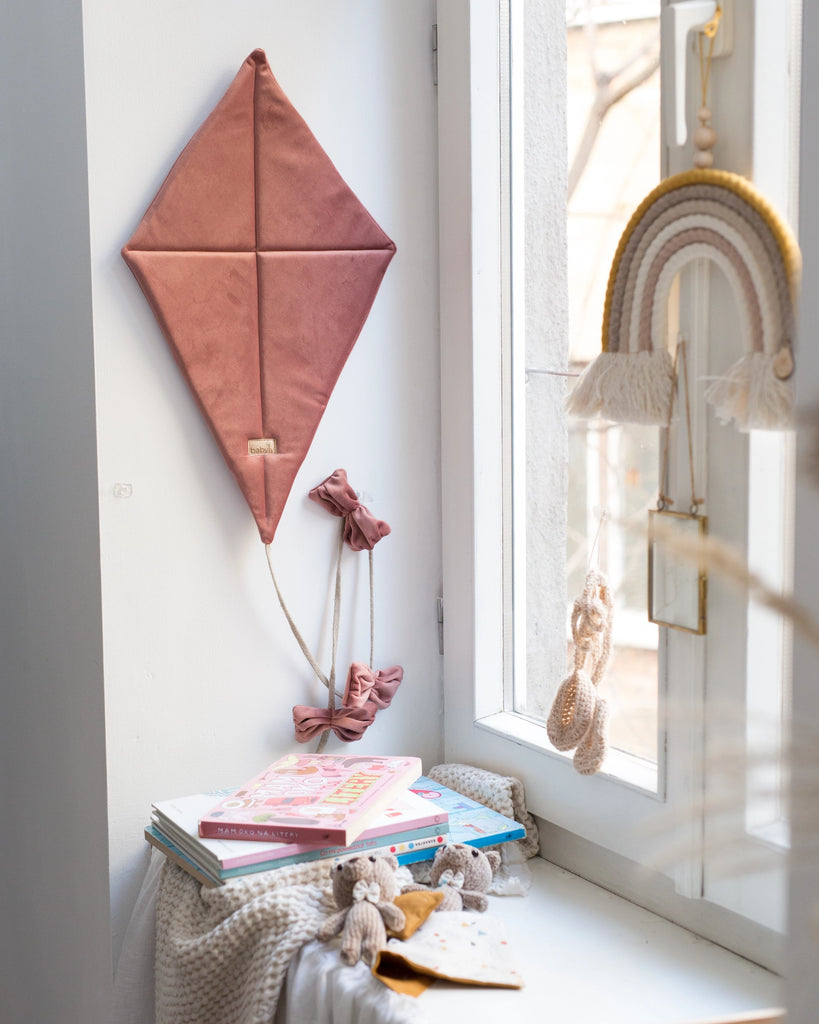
x: 588, y: 956
x: 634, y: 772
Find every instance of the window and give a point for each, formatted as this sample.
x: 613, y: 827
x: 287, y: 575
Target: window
x: 505, y: 559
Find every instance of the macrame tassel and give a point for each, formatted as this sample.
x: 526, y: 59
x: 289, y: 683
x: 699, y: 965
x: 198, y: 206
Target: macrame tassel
x: 639, y: 391
x: 586, y: 400
x: 625, y: 387
x: 578, y: 718
x: 753, y: 395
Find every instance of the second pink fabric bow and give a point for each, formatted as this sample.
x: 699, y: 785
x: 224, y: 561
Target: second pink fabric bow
x: 365, y: 693
x: 362, y: 531
x: 365, y: 686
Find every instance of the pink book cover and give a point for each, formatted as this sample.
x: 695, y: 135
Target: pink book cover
x: 323, y: 799
x: 178, y: 819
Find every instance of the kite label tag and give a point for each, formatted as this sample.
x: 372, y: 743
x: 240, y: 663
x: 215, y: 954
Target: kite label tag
x: 262, y: 446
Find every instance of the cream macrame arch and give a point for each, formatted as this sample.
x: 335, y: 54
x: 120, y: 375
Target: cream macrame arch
x: 720, y: 217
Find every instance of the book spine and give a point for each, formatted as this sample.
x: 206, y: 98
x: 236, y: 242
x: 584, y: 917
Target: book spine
x: 419, y: 849
x: 405, y: 840
x: 423, y: 849
x: 494, y: 839
x: 415, y: 856
x: 209, y: 829
x: 176, y: 856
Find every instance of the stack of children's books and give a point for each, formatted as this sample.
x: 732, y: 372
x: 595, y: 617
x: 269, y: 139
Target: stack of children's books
x: 307, y: 807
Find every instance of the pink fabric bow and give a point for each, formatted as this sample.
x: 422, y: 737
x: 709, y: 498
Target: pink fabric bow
x: 347, y: 723
x: 362, y: 531
x: 366, y: 693
x: 365, y: 686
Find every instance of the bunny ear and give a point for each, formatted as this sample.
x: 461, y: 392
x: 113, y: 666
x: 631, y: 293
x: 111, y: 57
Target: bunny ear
x: 494, y: 859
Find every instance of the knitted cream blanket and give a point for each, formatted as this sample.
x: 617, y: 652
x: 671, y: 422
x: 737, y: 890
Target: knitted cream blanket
x: 503, y: 793
x: 222, y: 954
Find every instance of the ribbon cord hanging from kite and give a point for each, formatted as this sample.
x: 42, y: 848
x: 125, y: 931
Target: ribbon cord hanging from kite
x: 366, y: 691
x: 698, y: 214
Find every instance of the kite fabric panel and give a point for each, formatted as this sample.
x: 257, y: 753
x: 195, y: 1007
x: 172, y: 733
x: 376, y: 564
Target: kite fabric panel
x: 720, y: 217
x: 261, y: 267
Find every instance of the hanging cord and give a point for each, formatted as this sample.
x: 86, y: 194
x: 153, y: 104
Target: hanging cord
x: 664, y: 501
x: 372, y: 610
x: 328, y: 681
x: 295, y: 630
x: 604, y: 515
x: 705, y: 137
x: 708, y: 32
x: 331, y: 694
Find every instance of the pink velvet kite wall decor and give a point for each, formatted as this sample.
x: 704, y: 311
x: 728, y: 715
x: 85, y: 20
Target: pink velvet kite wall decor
x: 261, y: 267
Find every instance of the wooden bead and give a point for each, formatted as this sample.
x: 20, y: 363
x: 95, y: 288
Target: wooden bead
x: 783, y: 364
x: 703, y: 158
x: 703, y: 114
x: 704, y: 137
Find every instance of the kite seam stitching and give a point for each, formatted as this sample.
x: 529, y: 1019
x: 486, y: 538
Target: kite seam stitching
x: 264, y: 431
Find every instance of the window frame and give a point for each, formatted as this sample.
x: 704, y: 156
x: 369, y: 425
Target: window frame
x: 472, y: 318
x: 477, y: 728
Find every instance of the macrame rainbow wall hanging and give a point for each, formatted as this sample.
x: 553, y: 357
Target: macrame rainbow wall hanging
x: 720, y: 217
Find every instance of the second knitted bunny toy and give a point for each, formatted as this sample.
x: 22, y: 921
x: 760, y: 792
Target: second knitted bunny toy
x: 463, y: 873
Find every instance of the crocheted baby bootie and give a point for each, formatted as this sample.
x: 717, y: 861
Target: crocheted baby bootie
x: 572, y: 711
x: 578, y: 719
x: 592, y: 749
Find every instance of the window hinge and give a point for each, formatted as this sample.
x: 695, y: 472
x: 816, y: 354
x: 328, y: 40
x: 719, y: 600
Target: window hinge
x: 439, y: 601
x: 434, y: 54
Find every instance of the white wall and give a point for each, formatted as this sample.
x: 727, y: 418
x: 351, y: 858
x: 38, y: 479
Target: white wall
x: 200, y: 669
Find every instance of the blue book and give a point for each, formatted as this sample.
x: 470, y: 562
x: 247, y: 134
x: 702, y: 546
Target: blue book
x: 470, y: 822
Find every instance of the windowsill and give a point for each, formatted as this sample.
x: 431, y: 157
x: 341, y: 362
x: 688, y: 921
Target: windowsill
x: 631, y: 771
x: 587, y: 956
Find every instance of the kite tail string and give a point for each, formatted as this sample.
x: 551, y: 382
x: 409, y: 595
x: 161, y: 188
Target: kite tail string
x: 372, y: 613
x: 295, y: 630
x: 331, y: 696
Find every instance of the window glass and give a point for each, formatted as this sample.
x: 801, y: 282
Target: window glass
x: 613, y: 159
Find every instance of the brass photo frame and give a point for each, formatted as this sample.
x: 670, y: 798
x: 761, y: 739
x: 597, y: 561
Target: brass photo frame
x: 677, y: 579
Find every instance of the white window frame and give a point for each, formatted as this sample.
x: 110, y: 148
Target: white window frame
x: 477, y: 728
x: 472, y: 321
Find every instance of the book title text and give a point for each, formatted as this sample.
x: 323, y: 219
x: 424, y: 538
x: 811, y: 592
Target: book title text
x: 351, y: 790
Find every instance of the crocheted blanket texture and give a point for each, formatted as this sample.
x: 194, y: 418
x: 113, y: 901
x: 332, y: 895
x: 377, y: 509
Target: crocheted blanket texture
x: 222, y: 954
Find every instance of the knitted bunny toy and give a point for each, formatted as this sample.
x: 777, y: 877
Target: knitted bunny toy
x: 464, y: 873
x: 364, y: 888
